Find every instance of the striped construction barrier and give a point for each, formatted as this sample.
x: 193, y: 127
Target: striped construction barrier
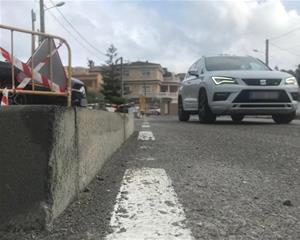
x: 38, y: 77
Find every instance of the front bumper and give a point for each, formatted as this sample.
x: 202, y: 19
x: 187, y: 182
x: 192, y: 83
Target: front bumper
x: 239, y: 103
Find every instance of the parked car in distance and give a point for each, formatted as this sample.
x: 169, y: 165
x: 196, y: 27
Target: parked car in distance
x: 123, y: 108
x: 236, y: 86
x: 110, y: 107
x: 79, y: 97
x: 153, y: 111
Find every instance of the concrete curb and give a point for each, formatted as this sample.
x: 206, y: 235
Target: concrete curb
x: 48, y: 155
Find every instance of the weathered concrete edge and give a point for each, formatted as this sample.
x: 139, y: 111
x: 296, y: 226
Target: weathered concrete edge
x: 96, y: 136
x: 61, y: 179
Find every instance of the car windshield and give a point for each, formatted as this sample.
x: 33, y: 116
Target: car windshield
x: 234, y: 63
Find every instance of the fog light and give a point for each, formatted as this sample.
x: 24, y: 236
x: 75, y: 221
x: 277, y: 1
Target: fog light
x: 295, y: 96
x: 221, y: 96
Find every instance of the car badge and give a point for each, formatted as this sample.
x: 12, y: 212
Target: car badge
x: 263, y: 82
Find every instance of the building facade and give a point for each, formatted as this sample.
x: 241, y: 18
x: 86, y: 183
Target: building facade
x: 92, y: 80
x: 156, y: 84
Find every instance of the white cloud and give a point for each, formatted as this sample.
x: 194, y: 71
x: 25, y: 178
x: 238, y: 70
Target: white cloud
x: 172, y: 33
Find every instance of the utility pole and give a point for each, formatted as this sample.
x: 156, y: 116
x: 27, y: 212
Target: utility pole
x: 122, y: 83
x: 33, y: 19
x: 267, y: 52
x: 121, y: 77
x: 42, y: 19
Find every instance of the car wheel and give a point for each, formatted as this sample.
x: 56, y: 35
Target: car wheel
x: 205, y: 114
x: 183, y: 116
x: 283, y: 118
x: 237, y: 118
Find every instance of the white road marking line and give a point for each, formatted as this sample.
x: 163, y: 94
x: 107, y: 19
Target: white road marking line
x: 146, y: 135
x: 145, y: 147
x: 146, y: 159
x: 145, y: 126
x: 147, y: 208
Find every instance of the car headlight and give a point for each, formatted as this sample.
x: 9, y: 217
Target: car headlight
x: 224, y: 80
x: 291, y: 81
x: 82, y: 91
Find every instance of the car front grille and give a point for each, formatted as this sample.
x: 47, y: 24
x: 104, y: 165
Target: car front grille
x: 263, y: 106
x: 244, y: 97
x: 261, y: 82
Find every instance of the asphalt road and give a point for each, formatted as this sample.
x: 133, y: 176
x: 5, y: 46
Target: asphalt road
x: 220, y: 181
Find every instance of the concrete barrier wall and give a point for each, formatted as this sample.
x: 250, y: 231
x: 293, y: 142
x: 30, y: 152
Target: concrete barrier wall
x: 63, y: 163
x: 48, y: 154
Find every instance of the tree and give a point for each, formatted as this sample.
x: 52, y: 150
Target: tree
x: 111, y: 77
x: 91, y: 63
x: 96, y: 97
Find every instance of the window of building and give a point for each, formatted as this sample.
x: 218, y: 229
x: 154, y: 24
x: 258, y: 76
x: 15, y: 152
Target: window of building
x: 127, y: 90
x: 145, y: 89
x: 173, y: 88
x: 146, y: 72
x: 126, y: 72
x: 163, y: 88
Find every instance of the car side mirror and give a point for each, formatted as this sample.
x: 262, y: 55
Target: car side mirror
x: 193, y: 73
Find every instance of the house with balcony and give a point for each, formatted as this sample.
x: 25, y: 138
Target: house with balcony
x: 156, y: 84
x: 92, y: 80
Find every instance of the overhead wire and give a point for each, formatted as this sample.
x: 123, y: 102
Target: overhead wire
x: 73, y: 36
x: 284, y: 34
x: 283, y: 49
x: 78, y: 32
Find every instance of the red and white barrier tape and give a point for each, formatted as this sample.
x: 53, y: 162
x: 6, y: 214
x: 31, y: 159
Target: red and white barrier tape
x: 4, y: 100
x: 38, y: 67
x: 40, y: 78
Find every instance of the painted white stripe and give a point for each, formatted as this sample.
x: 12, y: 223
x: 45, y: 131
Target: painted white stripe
x: 147, y: 208
x: 146, y: 159
x: 145, y: 147
x: 24, y: 83
x: 145, y: 126
x: 146, y: 135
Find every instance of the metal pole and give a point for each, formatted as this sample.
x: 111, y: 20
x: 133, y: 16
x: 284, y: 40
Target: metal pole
x: 122, y: 83
x: 145, y: 92
x: 33, y: 19
x: 267, y: 52
x: 12, y: 61
x: 42, y: 19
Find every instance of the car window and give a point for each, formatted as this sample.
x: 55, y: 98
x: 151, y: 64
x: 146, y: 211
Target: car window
x: 222, y: 63
x: 192, y: 68
x: 200, y: 66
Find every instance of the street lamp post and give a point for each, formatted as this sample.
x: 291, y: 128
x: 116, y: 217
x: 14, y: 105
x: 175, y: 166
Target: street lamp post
x: 42, y: 15
x: 267, y: 52
x: 33, y: 19
x: 122, y: 82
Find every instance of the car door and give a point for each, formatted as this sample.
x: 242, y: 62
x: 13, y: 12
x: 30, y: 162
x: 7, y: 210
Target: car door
x: 196, y: 83
x: 187, y: 90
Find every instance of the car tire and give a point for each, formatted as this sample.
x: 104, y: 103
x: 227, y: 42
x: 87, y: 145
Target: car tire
x: 283, y: 118
x: 204, y: 112
x: 183, y: 116
x: 237, y: 118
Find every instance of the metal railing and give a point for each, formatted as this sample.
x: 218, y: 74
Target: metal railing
x: 172, y: 95
x: 168, y: 94
x: 33, y: 91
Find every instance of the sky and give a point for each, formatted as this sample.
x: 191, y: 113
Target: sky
x: 172, y: 33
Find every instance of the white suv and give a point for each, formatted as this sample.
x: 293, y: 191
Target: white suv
x: 237, y: 86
